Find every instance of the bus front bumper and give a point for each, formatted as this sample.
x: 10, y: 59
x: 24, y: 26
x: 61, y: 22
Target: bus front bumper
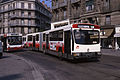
x: 87, y: 55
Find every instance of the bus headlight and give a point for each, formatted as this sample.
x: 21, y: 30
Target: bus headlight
x: 99, y: 53
x: 76, y: 54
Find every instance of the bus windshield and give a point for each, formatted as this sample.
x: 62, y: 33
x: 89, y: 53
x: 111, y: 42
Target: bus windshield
x: 86, y: 36
x: 15, y: 40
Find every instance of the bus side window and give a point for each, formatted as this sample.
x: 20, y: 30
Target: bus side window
x: 60, y: 35
x: 56, y: 36
x: 25, y: 38
x: 37, y: 37
x: 30, y: 38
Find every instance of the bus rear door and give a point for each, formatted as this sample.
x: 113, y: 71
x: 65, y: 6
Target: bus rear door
x: 33, y: 42
x: 67, y: 44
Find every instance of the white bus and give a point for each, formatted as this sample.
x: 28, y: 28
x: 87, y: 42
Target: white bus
x: 12, y: 41
x: 70, y: 41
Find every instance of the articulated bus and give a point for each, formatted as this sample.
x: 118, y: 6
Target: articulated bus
x: 71, y: 41
x: 12, y: 41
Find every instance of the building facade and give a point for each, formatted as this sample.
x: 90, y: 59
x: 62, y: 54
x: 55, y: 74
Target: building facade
x: 23, y: 16
x: 105, y: 13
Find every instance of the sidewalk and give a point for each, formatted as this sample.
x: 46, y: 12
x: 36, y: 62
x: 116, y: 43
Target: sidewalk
x: 111, y: 52
x: 13, y: 67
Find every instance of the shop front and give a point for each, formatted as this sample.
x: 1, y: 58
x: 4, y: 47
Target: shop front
x: 107, y: 38
x: 117, y: 37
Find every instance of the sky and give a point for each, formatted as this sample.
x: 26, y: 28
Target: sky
x: 48, y: 2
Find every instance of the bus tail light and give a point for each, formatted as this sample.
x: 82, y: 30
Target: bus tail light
x: 77, y: 47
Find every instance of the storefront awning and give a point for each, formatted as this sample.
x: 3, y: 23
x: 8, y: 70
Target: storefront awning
x: 117, y: 35
x: 107, y: 33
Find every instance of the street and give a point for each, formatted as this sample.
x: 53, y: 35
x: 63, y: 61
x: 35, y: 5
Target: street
x: 51, y: 68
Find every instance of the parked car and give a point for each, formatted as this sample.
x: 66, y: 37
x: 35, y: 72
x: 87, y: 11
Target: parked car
x: 1, y: 50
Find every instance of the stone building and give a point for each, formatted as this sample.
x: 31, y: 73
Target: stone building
x: 23, y: 16
x: 105, y: 13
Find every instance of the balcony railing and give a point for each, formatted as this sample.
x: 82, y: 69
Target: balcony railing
x: 74, y: 1
x: 106, y: 9
x: 77, y: 15
x: 20, y: 24
x: 108, y: 23
x: 24, y: 16
x: 5, y: 10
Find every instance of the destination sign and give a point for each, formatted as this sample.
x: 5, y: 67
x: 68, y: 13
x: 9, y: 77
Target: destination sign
x: 85, y: 26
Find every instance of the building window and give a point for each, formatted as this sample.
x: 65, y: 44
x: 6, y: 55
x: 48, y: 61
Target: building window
x: 29, y: 5
x: 89, y: 5
x: 57, y: 16
x: 22, y: 30
x: 13, y: 5
x: 22, y: 5
x: 22, y: 22
x: 108, y: 20
x: 106, y: 3
x: 64, y: 14
x: 29, y: 30
x: 29, y: 14
x: 13, y: 13
x: 29, y: 22
x: 3, y: 8
x: 56, y: 2
x: 8, y: 6
x: 0, y: 9
x: 8, y: 15
x: 22, y: 13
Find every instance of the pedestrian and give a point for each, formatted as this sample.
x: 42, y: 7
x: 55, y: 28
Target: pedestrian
x: 113, y: 44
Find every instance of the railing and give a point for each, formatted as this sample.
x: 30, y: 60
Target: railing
x: 20, y: 24
x: 107, y: 23
x: 74, y: 1
x: 23, y: 16
x: 5, y: 10
x: 106, y: 9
